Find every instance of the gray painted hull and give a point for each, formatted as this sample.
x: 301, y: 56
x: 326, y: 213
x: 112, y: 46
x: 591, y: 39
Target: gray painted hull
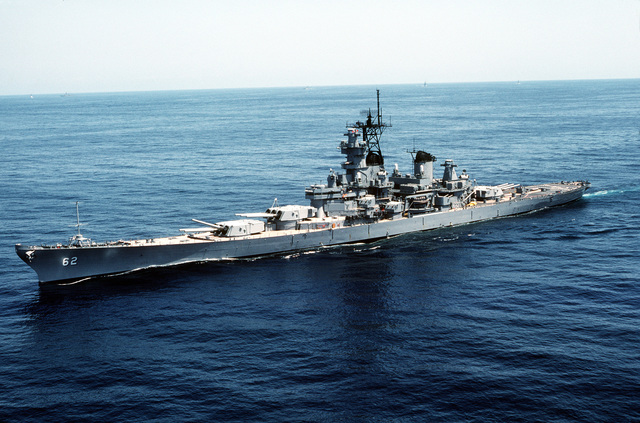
x: 77, y: 263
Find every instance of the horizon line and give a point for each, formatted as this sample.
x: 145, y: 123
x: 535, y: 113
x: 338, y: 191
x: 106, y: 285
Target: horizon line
x: 69, y: 93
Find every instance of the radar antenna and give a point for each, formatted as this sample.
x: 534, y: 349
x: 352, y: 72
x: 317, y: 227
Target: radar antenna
x: 372, y: 131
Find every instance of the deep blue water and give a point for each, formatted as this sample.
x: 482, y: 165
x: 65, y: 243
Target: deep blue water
x: 533, y: 318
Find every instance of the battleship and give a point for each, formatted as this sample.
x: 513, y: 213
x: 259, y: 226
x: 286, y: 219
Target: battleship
x: 364, y: 203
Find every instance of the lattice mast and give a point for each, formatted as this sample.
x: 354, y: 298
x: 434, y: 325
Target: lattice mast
x: 372, y: 132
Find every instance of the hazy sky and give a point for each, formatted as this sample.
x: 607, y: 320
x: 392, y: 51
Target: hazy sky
x: 56, y: 46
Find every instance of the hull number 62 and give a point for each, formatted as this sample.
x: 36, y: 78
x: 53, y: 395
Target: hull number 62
x: 70, y: 261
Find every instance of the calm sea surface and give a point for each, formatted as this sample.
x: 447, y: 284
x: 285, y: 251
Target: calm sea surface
x: 533, y: 318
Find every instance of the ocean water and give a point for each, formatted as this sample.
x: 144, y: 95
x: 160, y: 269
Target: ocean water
x: 532, y: 318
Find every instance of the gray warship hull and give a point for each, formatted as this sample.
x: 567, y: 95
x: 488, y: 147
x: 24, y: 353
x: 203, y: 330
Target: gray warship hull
x: 73, y: 263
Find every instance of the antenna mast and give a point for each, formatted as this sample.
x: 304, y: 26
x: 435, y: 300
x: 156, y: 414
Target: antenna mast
x: 78, y: 218
x: 379, y: 114
x: 371, y: 134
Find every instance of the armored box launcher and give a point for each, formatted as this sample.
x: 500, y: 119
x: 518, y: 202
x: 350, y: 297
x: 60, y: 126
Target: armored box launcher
x: 362, y: 203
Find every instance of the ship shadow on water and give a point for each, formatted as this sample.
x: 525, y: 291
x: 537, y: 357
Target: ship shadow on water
x: 152, y: 279
x: 160, y: 282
